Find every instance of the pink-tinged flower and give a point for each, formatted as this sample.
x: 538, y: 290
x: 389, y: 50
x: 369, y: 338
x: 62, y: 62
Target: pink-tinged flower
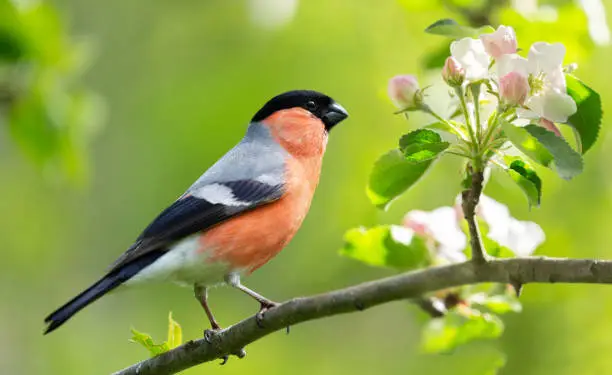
x: 501, y: 42
x: 549, y: 125
x: 452, y: 72
x: 513, y: 88
x: 404, y: 91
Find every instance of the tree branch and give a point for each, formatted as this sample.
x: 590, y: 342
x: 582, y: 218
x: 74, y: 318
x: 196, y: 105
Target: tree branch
x: 408, y: 285
x: 469, y: 201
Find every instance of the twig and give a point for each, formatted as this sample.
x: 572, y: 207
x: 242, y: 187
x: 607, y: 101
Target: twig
x: 469, y: 201
x: 408, y: 285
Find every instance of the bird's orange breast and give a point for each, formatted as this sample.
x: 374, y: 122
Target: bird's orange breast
x: 253, y: 238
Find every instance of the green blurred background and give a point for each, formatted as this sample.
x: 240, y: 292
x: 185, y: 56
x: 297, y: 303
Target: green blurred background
x: 180, y: 80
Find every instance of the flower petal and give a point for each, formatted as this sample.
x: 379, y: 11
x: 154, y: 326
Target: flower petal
x: 511, y: 63
x: 545, y: 57
x: 500, y: 42
x: 522, y: 237
x: 555, y: 79
x: 470, y: 53
x: 552, y: 105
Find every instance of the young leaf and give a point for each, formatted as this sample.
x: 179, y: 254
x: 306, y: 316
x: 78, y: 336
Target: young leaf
x: 175, y: 333
x: 568, y: 162
x: 587, y: 119
x: 450, y: 28
x: 386, y: 245
x: 522, y: 140
x: 422, y: 145
x: 391, y: 176
x: 528, y: 180
x: 458, y: 327
x: 147, y: 341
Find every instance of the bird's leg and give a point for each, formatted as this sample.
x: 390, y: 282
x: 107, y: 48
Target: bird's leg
x: 201, y: 294
x: 233, y: 279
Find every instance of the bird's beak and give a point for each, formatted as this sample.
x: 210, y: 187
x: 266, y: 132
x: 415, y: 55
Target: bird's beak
x: 335, y: 114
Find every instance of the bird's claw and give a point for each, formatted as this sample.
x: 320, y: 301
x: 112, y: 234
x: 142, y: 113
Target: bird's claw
x: 265, y: 306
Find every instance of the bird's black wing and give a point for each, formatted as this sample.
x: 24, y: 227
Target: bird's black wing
x: 191, y: 214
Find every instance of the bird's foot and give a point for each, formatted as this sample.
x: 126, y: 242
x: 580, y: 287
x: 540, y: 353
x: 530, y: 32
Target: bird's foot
x: 265, y: 306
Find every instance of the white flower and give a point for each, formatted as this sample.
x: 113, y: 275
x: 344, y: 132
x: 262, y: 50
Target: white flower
x: 544, y: 70
x: 500, y: 42
x: 471, y: 54
x: 442, y: 225
x: 522, y: 237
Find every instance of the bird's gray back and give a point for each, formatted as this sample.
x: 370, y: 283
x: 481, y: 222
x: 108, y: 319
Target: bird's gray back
x: 257, y: 156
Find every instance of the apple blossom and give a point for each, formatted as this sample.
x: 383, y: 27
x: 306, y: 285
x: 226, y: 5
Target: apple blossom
x: 543, y: 68
x: 404, y: 91
x: 500, y: 42
x: 471, y: 54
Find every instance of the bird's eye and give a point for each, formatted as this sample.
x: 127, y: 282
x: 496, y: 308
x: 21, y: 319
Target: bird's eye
x: 311, y: 106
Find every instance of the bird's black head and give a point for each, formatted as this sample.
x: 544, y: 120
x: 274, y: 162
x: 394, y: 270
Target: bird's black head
x: 315, y: 102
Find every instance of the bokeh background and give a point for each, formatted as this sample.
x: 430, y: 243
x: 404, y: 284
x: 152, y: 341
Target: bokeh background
x: 176, y: 83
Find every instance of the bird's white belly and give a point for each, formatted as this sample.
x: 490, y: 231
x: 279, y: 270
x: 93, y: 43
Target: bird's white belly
x: 184, y: 263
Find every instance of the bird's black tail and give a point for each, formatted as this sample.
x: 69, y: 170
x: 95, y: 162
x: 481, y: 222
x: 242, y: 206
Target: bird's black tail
x: 97, y: 290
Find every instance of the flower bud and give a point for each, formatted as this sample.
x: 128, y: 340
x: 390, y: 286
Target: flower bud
x: 513, y: 88
x: 500, y: 42
x: 452, y: 72
x: 404, y: 92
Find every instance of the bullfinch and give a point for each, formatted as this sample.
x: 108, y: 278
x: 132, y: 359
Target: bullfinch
x: 238, y: 215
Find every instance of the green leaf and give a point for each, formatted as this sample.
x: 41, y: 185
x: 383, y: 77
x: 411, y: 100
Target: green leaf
x: 392, y: 175
x: 568, y: 162
x: 530, y: 146
x: 528, y: 180
x: 147, y: 341
x: 450, y: 28
x: 422, y: 145
x: 386, y: 246
x: 175, y: 333
x: 459, y: 327
x: 587, y: 119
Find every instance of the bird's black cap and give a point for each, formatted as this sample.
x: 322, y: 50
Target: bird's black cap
x: 315, y: 102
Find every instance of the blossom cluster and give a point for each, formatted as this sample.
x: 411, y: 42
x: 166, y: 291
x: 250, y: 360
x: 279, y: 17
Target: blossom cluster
x: 534, y: 85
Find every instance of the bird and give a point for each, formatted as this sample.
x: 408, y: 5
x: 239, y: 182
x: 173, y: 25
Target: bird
x: 238, y: 214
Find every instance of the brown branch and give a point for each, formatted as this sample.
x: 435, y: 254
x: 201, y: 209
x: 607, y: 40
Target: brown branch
x: 408, y: 285
x: 469, y: 201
